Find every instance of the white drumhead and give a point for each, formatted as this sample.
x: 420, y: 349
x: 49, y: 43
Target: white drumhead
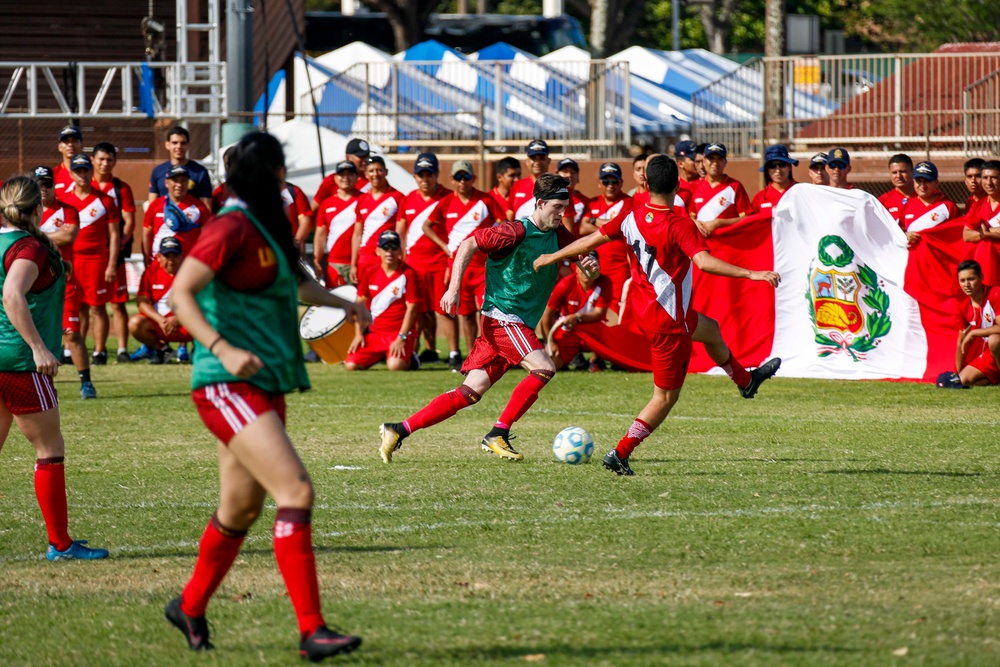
x: 319, y: 321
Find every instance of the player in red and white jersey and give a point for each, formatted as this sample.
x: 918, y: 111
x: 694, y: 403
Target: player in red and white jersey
x: 778, y: 173
x: 428, y: 260
x: 684, y: 156
x: 391, y: 293
x: 578, y: 210
x: 70, y: 144
x: 983, y: 224
x: 580, y: 300
x: 901, y: 176
x: 358, y: 151
x: 178, y: 214
x: 521, y: 202
x: 508, y: 172
x: 155, y: 326
x: 378, y: 210
x: 95, y: 251
x: 610, y: 204
x: 663, y: 246
x: 300, y: 213
x: 838, y: 168
x: 973, y: 174
x: 718, y: 200
x: 977, y: 355
x: 335, y: 220
x: 928, y: 208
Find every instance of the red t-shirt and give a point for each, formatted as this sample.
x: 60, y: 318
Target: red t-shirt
x: 296, y: 203
x: 193, y: 209
x: 894, y: 201
x: 984, y: 315
x: 62, y: 180
x: 155, y: 285
x: 570, y: 297
x: 237, y: 252
x: 422, y: 254
x: 501, y: 200
x: 30, y: 249
x: 338, y: 216
x: 765, y: 200
x: 54, y: 218
x: 127, y: 204
x: 917, y: 216
x: 662, y: 244
x: 461, y: 219
x: 329, y: 187
x: 986, y: 214
x: 521, y: 198
x: 613, y: 256
x: 726, y: 200
x: 687, y: 185
x: 376, y: 216
x: 682, y: 203
x: 387, y: 296
x: 219, y: 196
x: 970, y: 204
x: 578, y: 209
x: 96, y: 212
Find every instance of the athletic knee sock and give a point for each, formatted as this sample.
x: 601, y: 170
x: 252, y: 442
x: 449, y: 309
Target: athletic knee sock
x: 50, y: 489
x: 84, y: 375
x: 736, y: 371
x: 637, y: 432
x: 441, y: 408
x: 293, y: 550
x: 218, y: 549
x: 523, y: 397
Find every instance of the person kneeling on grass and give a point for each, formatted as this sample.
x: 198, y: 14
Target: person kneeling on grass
x: 390, y: 293
x: 977, y: 355
x: 155, y: 325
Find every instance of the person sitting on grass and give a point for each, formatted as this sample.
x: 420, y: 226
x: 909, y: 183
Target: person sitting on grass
x: 155, y: 325
x: 977, y: 355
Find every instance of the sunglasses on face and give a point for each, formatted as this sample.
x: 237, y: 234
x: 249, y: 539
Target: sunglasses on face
x: 390, y: 246
x: 774, y: 165
x: 610, y: 181
x: 45, y: 184
x: 462, y: 176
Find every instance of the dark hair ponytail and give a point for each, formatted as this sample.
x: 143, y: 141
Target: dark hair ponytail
x: 253, y: 177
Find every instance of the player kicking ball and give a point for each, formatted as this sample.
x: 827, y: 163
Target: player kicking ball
x: 664, y: 245
x: 516, y: 296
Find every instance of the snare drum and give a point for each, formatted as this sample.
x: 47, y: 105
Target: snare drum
x: 327, y: 330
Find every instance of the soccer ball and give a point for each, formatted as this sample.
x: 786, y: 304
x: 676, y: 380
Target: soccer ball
x: 573, y: 445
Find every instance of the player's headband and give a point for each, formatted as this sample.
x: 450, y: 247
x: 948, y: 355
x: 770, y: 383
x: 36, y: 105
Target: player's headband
x: 561, y: 193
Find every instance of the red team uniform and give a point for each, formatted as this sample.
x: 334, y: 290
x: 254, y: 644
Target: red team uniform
x: 337, y: 216
x: 765, y: 200
x: 376, y: 216
x: 501, y: 201
x: 53, y: 218
x: 726, y: 200
x: 155, y: 285
x: 978, y: 354
x: 387, y: 297
x: 192, y: 208
x: 126, y: 205
x: 894, y: 201
x: 986, y: 251
x: 917, y: 216
x: 296, y: 203
x: 461, y: 220
x: 521, y: 199
x: 427, y: 260
x: 568, y: 298
x: 90, y: 250
x: 662, y: 244
x: 612, y: 256
x: 62, y: 179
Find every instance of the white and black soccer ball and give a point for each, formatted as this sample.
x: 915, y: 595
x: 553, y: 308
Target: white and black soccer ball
x: 573, y: 445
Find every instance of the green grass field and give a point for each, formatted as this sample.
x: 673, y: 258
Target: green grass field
x: 823, y: 523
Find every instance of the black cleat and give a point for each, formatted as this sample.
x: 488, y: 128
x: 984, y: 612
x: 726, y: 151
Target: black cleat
x: 99, y: 359
x: 195, y: 630
x: 758, y: 375
x: 67, y: 358
x: 324, y: 643
x: 429, y: 357
x: 455, y: 363
x: 616, y: 464
x: 124, y: 358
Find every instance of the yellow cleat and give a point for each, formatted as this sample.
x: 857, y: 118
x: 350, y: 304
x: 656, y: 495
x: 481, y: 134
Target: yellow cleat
x: 500, y: 445
x: 392, y: 439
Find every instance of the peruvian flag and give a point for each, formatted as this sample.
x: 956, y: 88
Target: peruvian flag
x: 854, y: 301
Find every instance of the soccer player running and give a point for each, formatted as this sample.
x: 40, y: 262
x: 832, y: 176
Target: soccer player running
x: 33, y: 280
x: 664, y: 245
x: 237, y: 293
x: 516, y: 296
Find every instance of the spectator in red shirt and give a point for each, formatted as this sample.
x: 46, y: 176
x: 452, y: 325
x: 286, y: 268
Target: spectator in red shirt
x: 70, y: 143
x: 684, y: 154
x: 378, y: 210
x: 973, y: 174
x: 817, y: 170
x: 335, y: 220
x: 357, y: 152
x: 901, y: 176
x: 178, y: 214
x: 639, y: 176
x: 778, y: 174
x: 578, y: 210
x: 521, y: 203
x: 508, y: 172
x: 718, y: 199
x: 578, y: 299
x: 977, y: 355
x: 155, y: 325
x: 928, y: 207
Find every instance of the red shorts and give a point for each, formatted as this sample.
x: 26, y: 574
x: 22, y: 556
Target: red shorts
x: 27, y: 392
x: 987, y: 365
x: 71, y: 306
x: 227, y: 408
x: 472, y: 291
x: 95, y: 290
x: 377, y: 348
x: 430, y: 288
x: 179, y: 336
x: 500, y: 346
x: 120, y: 286
x: 671, y: 353
x: 569, y: 343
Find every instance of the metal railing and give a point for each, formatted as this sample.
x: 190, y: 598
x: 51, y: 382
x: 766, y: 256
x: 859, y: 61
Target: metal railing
x: 981, y: 103
x: 500, y: 104
x: 875, y: 102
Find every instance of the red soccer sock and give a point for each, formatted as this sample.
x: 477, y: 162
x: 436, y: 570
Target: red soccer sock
x: 736, y: 371
x: 441, y: 408
x: 637, y: 432
x: 50, y: 490
x: 293, y: 550
x: 524, y: 396
x: 218, y: 549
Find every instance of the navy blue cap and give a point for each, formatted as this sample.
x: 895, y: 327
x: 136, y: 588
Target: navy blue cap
x: 820, y: 159
x: 685, y: 148
x: 926, y: 171
x: 426, y: 162
x: 43, y: 173
x: 777, y: 153
x: 170, y: 245
x: 568, y: 163
x: 81, y: 161
x: 838, y: 156
x: 538, y: 147
x: 70, y: 131
x: 388, y: 238
x: 715, y: 149
x: 178, y: 170
x: 346, y: 165
x: 610, y: 169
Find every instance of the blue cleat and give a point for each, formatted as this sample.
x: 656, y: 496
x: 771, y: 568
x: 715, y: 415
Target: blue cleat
x: 76, y: 551
x: 141, y: 353
x: 182, y: 354
x: 87, y: 390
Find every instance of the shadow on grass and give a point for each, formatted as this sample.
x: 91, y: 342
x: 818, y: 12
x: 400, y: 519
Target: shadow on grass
x: 885, y: 471
x: 266, y: 551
